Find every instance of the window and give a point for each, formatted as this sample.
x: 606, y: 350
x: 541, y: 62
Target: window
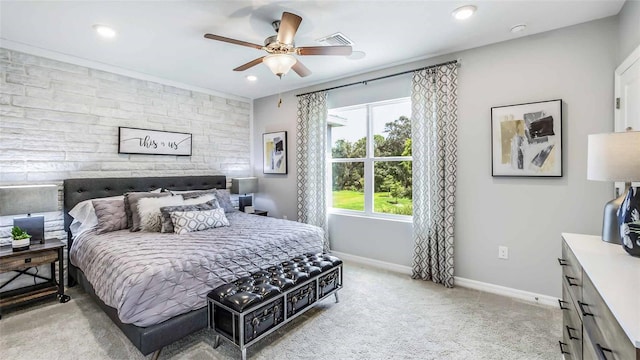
x: 370, y: 146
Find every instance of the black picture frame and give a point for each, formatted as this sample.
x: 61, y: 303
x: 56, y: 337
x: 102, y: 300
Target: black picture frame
x: 274, y: 153
x: 526, y: 139
x: 153, y: 142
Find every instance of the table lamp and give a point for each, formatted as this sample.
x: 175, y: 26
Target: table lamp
x: 614, y: 157
x: 247, y: 185
x: 28, y: 199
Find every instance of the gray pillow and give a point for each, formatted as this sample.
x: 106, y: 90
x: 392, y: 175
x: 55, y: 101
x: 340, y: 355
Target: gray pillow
x: 188, y: 221
x: 165, y: 211
x: 131, y: 207
x: 190, y: 194
x: 111, y: 215
x: 224, y: 198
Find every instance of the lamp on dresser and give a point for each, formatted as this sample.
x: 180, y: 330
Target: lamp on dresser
x: 28, y: 199
x: 246, y: 185
x: 616, y: 157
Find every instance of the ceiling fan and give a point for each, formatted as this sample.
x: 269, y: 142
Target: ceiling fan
x: 280, y: 48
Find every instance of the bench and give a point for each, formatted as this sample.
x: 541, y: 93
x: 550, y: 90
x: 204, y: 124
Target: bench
x: 251, y: 307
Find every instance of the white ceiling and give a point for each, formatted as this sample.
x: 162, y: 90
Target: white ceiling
x: 164, y: 39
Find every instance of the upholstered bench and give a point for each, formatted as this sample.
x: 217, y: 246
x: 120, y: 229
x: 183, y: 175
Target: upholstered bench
x: 248, y: 309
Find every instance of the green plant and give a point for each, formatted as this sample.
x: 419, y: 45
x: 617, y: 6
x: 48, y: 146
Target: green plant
x: 19, y: 234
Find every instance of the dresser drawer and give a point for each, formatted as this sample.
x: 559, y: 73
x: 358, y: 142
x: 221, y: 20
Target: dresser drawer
x: 571, y: 273
x: 26, y: 260
x: 571, y: 326
x: 608, y: 340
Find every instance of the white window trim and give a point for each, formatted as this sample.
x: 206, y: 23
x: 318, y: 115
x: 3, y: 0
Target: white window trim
x: 368, y: 170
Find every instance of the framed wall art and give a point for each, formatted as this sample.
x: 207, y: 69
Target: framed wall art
x: 274, y: 156
x: 526, y: 139
x: 153, y: 142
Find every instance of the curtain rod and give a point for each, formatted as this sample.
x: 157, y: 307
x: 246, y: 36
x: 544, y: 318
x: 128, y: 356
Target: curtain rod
x: 457, y: 62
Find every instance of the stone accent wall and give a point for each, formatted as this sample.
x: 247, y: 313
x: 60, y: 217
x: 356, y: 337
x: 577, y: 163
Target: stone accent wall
x: 59, y: 120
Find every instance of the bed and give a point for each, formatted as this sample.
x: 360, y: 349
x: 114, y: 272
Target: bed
x: 153, y: 286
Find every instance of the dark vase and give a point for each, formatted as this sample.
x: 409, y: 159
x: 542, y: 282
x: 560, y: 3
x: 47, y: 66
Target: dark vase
x: 629, y: 222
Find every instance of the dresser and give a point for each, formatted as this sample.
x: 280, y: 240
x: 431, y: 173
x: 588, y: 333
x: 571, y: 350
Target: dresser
x: 600, y: 300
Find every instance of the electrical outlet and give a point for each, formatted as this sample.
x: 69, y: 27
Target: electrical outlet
x: 503, y: 252
x: 284, y: 217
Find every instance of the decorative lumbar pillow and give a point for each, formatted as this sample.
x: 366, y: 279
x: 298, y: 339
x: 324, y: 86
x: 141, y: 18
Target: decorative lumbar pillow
x: 149, y: 211
x: 189, y: 221
x: 167, y: 224
x: 131, y: 206
x: 111, y: 215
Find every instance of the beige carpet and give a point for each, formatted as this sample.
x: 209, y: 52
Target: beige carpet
x: 381, y: 315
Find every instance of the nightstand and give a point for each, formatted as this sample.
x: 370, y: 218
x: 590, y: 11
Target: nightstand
x: 261, y: 212
x: 21, y: 262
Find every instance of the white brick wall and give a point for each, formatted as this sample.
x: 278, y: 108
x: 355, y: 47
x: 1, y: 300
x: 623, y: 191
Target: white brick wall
x: 59, y: 121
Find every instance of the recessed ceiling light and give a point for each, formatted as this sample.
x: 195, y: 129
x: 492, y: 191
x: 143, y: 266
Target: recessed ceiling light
x: 357, y: 55
x: 104, y: 31
x: 252, y: 77
x: 518, y: 28
x: 464, y: 12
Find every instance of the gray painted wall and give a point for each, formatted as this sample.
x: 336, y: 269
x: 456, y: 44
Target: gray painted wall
x: 629, y: 32
x: 575, y: 64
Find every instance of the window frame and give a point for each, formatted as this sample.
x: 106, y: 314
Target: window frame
x: 369, y: 162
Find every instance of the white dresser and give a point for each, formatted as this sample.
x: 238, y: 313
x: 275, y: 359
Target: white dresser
x: 600, y: 300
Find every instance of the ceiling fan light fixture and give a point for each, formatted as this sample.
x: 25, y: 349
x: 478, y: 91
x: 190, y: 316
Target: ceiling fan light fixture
x: 279, y: 64
x: 104, y: 31
x: 464, y: 12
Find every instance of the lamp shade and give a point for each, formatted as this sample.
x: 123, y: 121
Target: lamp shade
x: 279, y: 64
x: 245, y: 185
x: 27, y: 199
x: 614, y: 157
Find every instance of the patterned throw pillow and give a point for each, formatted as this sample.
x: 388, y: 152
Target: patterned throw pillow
x: 189, y: 221
x: 111, y: 215
x: 149, y: 211
x: 167, y: 224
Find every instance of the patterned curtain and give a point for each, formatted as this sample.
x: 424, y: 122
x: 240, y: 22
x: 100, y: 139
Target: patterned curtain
x: 311, y: 161
x: 434, y: 149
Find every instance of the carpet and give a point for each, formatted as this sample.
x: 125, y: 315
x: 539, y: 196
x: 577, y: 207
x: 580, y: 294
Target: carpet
x: 381, y: 315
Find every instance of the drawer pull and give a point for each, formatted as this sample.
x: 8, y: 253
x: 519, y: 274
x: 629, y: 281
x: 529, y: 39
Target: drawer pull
x: 562, y: 262
x: 569, y: 278
x: 562, y: 345
x: 601, y: 350
x: 27, y: 260
x: 571, y: 337
x: 584, y: 312
x: 560, y: 302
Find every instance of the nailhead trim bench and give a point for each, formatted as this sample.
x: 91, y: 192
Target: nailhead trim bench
x: 248, y: 309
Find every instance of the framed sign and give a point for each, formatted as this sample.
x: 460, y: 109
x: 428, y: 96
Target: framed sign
x: 274, y: 156
x: 526, y: 139
x: 154, y: 142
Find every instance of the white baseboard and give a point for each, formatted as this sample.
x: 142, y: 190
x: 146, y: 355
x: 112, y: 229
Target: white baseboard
x: 459, y: 281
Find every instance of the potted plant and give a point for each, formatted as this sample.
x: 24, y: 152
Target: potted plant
x: 20, y: 239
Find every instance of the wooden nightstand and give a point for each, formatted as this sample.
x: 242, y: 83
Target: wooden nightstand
x: 21, y: 262
x: 261, y: 212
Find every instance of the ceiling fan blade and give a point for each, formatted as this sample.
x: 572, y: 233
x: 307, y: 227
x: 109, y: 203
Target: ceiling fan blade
x: 250, y: 64
x: 324, y: 50
x: 288, y: 27
x: 301, y: 69
x: 233, y: 41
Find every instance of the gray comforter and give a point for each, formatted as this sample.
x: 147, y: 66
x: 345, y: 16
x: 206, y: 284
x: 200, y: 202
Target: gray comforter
x: 151, y: 277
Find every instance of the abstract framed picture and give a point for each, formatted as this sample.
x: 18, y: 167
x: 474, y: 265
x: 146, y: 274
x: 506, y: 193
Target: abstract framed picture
x: 526, y: 139
x: 274, y: 156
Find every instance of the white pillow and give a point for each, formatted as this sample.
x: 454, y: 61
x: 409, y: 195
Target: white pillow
x: 149, y: 211
x: 84, y: 215
x: 189, y: 221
